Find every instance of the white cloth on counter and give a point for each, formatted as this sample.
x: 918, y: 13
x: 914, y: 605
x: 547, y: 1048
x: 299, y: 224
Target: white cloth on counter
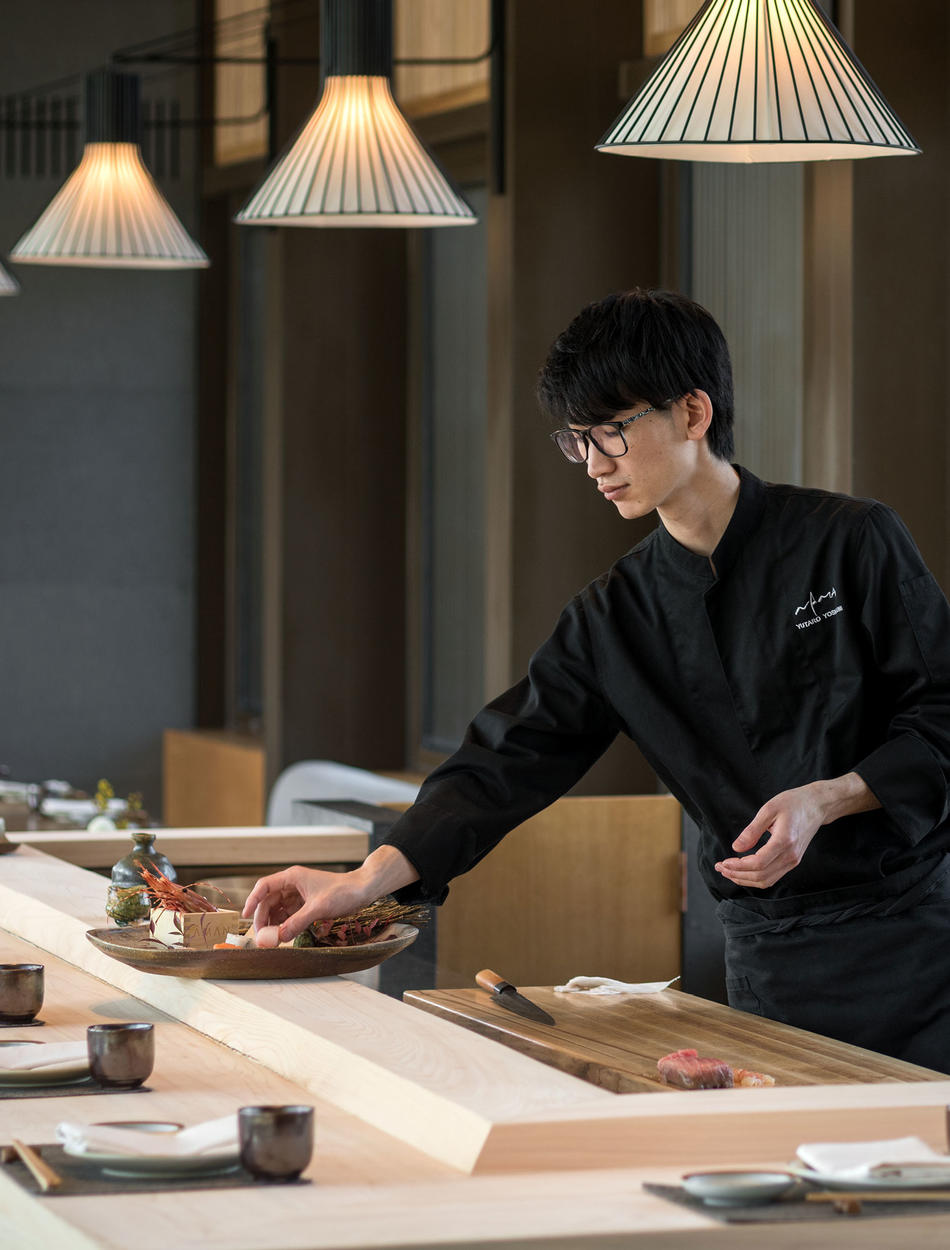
x: 30, y: 1056
x: 901, y: 1158
x: 210, y: 1137
x: 606, y: 985
x: 80, y: 809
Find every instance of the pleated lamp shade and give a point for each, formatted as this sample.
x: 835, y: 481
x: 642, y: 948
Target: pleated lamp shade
x: 759, y: 80
x: 356, y: 161
x: 8, y: 284
x: 109, y: 213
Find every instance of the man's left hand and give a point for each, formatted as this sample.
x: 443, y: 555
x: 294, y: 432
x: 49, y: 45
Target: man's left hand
x: 791, y: 819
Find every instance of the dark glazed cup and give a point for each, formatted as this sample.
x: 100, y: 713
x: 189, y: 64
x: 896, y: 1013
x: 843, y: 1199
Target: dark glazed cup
x: 276, y: 1142
x: 21, y: 992
x: 120, y: 1055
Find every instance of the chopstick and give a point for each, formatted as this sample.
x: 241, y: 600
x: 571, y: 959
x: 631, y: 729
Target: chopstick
x: 46, y: 1177
x: 892, y: 1195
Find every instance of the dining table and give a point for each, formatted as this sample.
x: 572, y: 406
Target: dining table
x: 427, y: 1133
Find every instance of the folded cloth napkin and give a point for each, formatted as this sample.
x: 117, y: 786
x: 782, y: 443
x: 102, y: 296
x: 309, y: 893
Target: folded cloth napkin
x: 30, y: 1057
x: 211, y: 1137
x: 901, y: 1158
x: 605, y: 985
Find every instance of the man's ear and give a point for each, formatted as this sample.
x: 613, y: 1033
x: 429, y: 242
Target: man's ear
x: 699, y: 411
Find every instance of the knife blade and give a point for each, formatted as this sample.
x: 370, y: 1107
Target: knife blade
x: 509, y: 997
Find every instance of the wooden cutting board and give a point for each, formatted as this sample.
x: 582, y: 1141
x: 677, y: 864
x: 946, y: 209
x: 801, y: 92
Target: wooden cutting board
x: 615, y: 1041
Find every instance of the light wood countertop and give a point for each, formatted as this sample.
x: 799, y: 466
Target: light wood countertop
x: 427, y: 1135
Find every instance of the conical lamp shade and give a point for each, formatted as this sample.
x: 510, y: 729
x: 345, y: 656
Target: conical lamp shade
x: 8, y: 284
x: 758, y: 80
x: 109, y: 213
x: 356, y: 162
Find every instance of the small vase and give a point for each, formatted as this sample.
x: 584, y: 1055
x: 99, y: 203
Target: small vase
x: 126, y: 908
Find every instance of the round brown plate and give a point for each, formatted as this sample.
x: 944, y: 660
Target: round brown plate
x: 134, y: 947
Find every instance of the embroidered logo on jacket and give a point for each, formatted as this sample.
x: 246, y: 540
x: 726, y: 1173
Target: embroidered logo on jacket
x: 812, y: 606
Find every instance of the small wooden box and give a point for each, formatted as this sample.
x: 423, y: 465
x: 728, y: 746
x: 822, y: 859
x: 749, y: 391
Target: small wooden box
x: 195, y: 928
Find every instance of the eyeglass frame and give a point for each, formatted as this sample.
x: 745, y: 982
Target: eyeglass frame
x: 589, y: 438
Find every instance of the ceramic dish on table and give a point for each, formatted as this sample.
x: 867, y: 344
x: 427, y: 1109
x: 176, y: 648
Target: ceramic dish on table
x: 156, y: 1165
x: 737, y: 1189
x: 53, y: 1074
x: 135, y: 946
x: 871, y: 1185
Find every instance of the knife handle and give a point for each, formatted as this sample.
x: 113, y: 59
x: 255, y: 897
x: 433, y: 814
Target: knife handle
x: 490, y: 981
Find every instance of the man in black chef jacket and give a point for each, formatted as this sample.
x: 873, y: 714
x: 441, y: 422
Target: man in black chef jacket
x: 780, y: 655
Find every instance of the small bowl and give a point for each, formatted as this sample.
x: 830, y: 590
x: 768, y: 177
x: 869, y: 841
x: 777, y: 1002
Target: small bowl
x: 735, y: 1189
x: 276, y: 1142
x: 121, y: 1056
x: 21, y: 992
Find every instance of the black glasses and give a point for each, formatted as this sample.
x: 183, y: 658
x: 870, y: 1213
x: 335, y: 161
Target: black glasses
x: 608, y: 438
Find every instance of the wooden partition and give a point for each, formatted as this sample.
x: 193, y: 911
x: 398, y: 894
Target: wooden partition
x: 212, y: 777
x: 590, y: 886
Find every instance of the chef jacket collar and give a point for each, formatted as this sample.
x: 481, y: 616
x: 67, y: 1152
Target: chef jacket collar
x: 744, y: 521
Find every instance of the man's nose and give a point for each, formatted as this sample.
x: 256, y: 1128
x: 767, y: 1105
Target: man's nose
x: 597, y: 463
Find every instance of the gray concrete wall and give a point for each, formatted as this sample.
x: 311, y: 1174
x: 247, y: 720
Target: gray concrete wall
x: 97, y: 373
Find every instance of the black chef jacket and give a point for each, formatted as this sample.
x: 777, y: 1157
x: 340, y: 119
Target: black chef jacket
x: 812, y: 643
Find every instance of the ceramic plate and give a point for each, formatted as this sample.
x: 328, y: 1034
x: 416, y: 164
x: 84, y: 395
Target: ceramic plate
x: 730, y: 1189
x: 156, y: 1165
x: 837, y: 1182
x: 54, y: 1074
x: 135, y: 947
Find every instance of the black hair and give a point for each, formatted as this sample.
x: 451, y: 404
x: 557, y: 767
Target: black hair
x: 636, y: 346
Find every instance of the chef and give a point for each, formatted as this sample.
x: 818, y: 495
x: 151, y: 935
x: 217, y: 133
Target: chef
x: 780, y: 655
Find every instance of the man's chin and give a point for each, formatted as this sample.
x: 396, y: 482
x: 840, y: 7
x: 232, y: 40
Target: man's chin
x: 632, y: 509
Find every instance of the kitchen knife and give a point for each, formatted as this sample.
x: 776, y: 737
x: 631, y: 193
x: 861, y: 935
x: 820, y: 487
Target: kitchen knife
x: 509, y: 997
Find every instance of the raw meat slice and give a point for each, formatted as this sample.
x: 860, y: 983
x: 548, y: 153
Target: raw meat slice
x: 685, y: 1069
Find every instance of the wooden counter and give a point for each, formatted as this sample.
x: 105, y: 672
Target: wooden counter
x: 232, y: 847
x: 428, y: 1135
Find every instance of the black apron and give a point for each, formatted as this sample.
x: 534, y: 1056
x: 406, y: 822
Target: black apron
x: 874, y: 972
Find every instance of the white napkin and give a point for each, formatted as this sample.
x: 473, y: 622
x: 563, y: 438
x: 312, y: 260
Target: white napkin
x: 902, y: 1158
x: 211, y: 1137
x: 605, y: 985
x: 29, y: 1057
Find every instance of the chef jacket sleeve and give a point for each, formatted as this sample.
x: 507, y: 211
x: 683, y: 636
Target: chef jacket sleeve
x: 907, y: 620
x: 521, y: 752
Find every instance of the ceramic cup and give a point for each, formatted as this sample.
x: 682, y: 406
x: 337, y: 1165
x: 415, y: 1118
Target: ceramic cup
x: 276, y: 1142
x: 120, y: 1055
x: 21, y: 992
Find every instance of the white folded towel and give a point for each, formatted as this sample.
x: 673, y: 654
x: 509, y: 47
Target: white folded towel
x: 29, y: 1056
x: 605, y: 985
x: 211, y: 1137
x: 901, y: 1158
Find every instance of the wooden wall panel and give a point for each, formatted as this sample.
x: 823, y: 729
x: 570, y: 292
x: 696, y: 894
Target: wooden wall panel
x: 588, y: 887
x: 212, y: 778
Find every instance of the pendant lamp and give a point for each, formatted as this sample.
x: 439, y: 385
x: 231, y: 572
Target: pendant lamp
x: 8, y: 284
x: 109, y: 213
x: 356, y: 161
x: 758, y: 80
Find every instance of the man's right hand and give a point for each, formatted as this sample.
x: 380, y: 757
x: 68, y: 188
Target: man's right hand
x: 287, y: 902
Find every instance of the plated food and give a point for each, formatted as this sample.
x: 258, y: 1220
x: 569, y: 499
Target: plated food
x: 187, y: 935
